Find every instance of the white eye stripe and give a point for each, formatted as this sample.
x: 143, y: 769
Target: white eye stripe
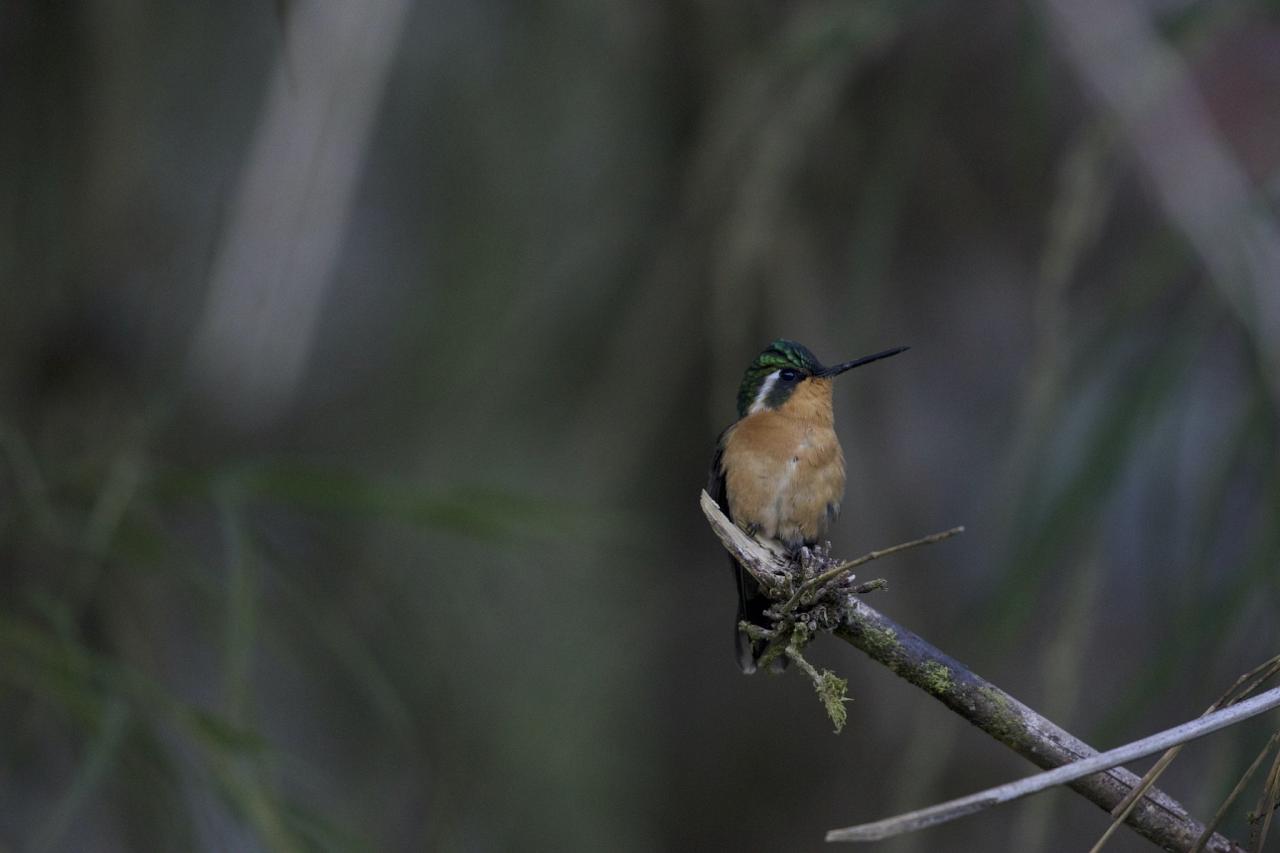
x: 765, y: 387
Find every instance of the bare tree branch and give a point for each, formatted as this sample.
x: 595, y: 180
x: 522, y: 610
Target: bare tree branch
x: 1157, y: 816
x: 1244, y: 686
x: 948, y: 811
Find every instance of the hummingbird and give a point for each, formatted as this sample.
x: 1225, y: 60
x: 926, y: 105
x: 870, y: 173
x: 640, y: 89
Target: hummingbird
x: 778, y: 470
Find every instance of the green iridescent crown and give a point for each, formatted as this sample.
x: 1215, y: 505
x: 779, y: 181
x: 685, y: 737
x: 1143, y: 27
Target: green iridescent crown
x: 779, y: 355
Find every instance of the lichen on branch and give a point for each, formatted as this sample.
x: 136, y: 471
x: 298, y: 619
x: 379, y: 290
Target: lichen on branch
x: 812, y: 592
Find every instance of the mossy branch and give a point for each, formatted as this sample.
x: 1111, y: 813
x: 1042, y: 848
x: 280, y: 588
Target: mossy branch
x: 831, y: 688
x: 1156, y: 816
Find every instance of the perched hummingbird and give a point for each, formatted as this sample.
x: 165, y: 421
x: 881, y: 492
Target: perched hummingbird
x: 778, y: 471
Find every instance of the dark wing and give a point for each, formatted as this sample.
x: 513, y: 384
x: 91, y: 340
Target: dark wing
x: 715, y: 478
x: 751, y: 603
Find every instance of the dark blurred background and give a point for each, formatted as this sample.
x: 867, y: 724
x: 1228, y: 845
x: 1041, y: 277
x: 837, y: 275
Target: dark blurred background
x: 360, y: 366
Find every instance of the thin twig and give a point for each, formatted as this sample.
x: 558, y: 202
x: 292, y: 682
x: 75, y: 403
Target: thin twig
x: 1121, y: 811
x: 831, y: 689
x: 1250, y: 681
x: 948, y: 811
x: 1268, y: 802
x: 1235, y: 792
x: 1243, y: 687
x: 849, y: 565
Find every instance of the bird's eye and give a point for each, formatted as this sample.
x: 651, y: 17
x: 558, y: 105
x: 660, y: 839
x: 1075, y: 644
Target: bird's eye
x: 788, y: 375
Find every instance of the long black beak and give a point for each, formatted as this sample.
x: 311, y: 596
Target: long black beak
x: 858, y: 362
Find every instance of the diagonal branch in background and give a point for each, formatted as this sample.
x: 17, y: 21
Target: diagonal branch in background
x: 948, y: 811
x: 1117, y: 51
x: 279, y: 250
x: 1157, y: 816
x: 1238, y: 692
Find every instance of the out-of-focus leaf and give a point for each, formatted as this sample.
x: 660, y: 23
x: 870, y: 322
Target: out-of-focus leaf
x: 1203, y: 624
x: 40, y: 663
x: 101, y: 757
x: 485, y: 514
x: 1151, y: 384
x: 312, y: 623
x: 219, y: 734
x: 322, y: 832
x: 80, y: 679
x: 241, y: 613
x: 1147, y: 276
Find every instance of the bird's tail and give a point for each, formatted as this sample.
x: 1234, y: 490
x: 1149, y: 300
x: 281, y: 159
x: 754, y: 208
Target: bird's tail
x: 751, y: 606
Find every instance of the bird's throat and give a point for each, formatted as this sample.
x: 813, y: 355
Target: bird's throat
x: 810, y: 403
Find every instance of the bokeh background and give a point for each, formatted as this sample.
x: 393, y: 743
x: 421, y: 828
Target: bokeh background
x: 360, y: 366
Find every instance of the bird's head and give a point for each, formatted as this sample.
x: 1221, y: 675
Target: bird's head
x: 782, y: 367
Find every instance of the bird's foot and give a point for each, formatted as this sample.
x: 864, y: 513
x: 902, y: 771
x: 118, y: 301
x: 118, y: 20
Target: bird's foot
x: 802, y: 558
x: 812, y: 559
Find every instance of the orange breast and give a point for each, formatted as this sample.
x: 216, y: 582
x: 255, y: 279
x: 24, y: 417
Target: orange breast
x: 784, y: 469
